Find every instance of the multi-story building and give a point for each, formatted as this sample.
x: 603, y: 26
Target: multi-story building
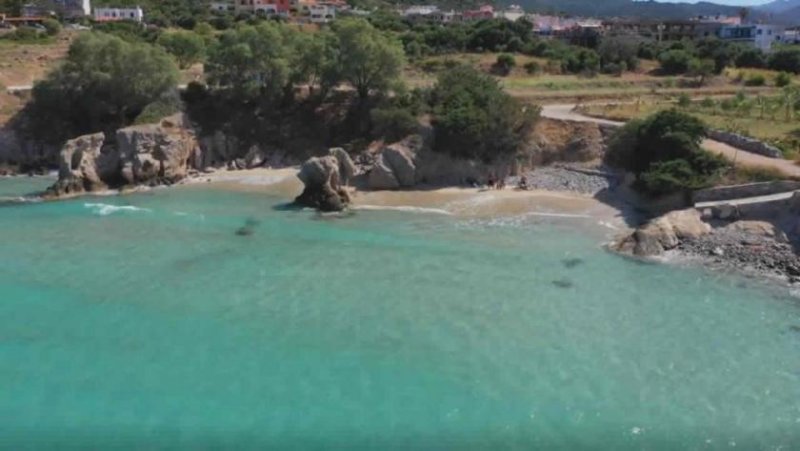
x: 266, y: 7
x: 69, y: 9
x: 760, y: 36
x: 135, y: 14
x: 321, y: 13
x: 484, y: 12
x: 222, y: 7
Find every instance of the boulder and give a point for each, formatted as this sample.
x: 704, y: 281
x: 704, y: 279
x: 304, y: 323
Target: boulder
x: 143, y: 154
x: 664, y: 233
x: 84, y: 166
x: 255, y: 158
x: 151, y: 154
x: 395, y: 166
x: 347, y: 169
x: 321, y: 178
x: 758, y: 228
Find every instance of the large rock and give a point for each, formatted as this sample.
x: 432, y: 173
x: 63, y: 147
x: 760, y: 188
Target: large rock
x: 151, y: 154
x: 347, y: 169
x: 144, y: 154
x: 664, y: 233
x: 322, y: 179
x: 395, y: 166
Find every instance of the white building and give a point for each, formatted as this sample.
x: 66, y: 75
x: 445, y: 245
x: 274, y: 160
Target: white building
x: 759, y: 36
x: 116, y: 14
x: 69, y: 9
x: 321, y: 13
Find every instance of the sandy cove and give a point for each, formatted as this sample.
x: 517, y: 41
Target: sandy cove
x: 467, y: 202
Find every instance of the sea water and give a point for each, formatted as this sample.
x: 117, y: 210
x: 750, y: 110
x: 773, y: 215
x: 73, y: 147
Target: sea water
x: 201, y: 318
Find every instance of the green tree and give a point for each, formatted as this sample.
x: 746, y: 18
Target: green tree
x: 474, y: 118
x: 368, y: 59
x: 52, y: 26
x: 618, y: 50
x: 186, y: 46
x: 675, y: 61
x: 785, y: 59
x: 751, y: 57
x: 702, y: 69
x: 104, y: 83
x: 504, y: 63
x: 664, y: 152
x: 251, y: 62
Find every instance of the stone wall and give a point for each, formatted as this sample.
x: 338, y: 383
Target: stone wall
x: 742, y: 191
x: 745, y: 143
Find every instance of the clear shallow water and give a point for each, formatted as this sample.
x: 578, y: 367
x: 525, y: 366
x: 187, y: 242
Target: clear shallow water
x: 155, y: 325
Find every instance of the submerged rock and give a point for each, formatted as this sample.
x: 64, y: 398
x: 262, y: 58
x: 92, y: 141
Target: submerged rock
x: 571, y: 262
x: 563, y: 283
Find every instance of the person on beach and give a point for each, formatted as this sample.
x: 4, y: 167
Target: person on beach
x: 491, y: 181
x: 523, y: 183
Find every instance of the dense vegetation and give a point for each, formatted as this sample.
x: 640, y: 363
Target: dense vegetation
x: 474, y: 118
x: 664, y: 152
x: 103, y: 84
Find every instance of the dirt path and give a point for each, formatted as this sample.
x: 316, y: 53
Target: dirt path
x: 566, y: 112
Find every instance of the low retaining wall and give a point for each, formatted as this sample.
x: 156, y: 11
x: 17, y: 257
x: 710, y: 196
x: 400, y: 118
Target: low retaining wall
x: 742, y: 191
x: 756, y: 211
x: 745, y: 143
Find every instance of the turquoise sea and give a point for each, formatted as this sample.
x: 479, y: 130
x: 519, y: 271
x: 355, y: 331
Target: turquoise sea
x: 145, y: 322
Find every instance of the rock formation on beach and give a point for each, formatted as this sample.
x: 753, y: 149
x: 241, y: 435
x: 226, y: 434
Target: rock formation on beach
x: 323, y: 178
x: 137, y: 155
x: 664, y: 233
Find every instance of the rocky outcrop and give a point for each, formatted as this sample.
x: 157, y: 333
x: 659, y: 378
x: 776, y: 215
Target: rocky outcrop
x: 322, y: 177
x: 664, y: 233
x: 395, y: 166
x: 138, y: 155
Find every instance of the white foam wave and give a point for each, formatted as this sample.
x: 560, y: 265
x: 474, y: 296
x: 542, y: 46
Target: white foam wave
x: 404, y: 208
x: 106, y: 209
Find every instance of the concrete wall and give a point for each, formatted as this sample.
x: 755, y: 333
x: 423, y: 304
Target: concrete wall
x: 742, y: 191
x: 745, y: 143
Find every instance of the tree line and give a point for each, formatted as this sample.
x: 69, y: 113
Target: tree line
x: 270, y: 83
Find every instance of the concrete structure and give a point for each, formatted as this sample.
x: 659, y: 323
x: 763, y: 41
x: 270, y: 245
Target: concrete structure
x: 265, y: 7
x: 69, y: 9
x: 757, y: 35
x: 512, y: 13
x: 135, y: 14
x: 321, y: 13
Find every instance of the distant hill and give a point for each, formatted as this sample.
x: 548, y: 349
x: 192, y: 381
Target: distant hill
x: 785, y: 12
x: 628, y: 8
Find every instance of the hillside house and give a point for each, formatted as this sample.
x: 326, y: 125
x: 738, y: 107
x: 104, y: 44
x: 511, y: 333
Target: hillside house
x: 69, y: 9
x: 757, y: 35
x: 135, y: 14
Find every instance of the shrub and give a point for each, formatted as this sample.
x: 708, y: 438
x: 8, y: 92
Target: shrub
x: 783, y: 79
x: 675, y: 61
x: 393, y: 123
x: 505, y: 62
x: 708, y: 102
x: 751, y: 57
x: 52, y: 27
x: 23, y: 33
x: 187, y: 47
x: 755, y: 80
x: 532, y: 68
x: 167, y: 105
x: 664, y: 152
x: 684, y: 101
x: 474, y: 118
x: 785, y: 59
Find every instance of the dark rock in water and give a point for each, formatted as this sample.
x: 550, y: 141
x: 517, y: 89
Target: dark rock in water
x: 795, y: 329
x: 563, y: 283
x: 248, y: 228
x: 244, y: 231
x: 571, y: 262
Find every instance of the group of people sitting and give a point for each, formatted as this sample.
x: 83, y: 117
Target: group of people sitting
x: 493, y: 182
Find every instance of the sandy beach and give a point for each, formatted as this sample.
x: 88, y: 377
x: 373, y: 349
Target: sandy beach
x: 466, y: 202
